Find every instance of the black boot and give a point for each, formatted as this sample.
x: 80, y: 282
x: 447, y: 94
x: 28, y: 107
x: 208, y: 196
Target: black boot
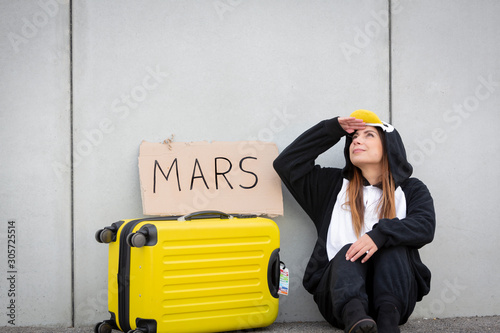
x: 356, y: 320
x: 388, y: 318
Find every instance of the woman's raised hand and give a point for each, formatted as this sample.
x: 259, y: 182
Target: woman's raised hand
x: 351, y: 124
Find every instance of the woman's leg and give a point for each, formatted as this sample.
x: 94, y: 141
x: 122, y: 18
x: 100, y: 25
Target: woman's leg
x: 393, y: 287
x: 343, y: 282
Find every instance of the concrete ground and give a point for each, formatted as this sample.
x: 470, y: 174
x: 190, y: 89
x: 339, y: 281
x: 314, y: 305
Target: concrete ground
x: 447, y: 325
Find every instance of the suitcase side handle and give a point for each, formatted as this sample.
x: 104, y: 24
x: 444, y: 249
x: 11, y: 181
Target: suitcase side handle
x: 273, y: 273
x: 213, y: 213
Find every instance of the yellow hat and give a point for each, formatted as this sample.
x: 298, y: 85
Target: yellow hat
x: 371, y: 119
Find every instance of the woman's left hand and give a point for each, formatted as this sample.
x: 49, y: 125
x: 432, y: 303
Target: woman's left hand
x: 364, y: 245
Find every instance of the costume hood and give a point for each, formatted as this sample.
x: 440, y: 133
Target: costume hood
x: 400, y: 168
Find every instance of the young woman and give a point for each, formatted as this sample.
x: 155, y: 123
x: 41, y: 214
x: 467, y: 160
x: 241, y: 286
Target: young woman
x: 371, y: 218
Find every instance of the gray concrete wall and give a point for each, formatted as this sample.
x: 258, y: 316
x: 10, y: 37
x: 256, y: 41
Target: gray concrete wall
x: 229, y: 70
x: 446, y: 95
x: 35, y: 190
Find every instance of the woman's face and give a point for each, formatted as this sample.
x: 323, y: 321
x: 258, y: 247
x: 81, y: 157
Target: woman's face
x: 366, y: 147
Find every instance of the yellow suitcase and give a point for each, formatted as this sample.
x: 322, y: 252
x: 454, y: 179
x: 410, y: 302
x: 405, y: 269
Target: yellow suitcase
x: 204, y: 272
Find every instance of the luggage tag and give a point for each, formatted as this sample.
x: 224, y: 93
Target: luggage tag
x: 284, y: 280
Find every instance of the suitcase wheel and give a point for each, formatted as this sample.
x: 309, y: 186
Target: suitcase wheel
x: 136, y: 240
x: 147, y: 235
x: 104, y: 236
x: 103, y: 327
x: 98, y: 235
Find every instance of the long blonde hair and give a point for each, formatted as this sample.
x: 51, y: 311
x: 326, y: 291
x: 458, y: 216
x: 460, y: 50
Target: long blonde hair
x: 386, y: 206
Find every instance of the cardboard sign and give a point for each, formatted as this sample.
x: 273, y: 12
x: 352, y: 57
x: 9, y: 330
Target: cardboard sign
x: 179, y: 178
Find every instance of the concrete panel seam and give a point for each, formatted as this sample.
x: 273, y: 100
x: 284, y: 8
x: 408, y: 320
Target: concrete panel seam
x: 72, y: 189
x: 389, y: 27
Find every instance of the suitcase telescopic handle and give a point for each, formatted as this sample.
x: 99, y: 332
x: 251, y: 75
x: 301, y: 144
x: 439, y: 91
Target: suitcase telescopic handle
x: 213, y: 213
